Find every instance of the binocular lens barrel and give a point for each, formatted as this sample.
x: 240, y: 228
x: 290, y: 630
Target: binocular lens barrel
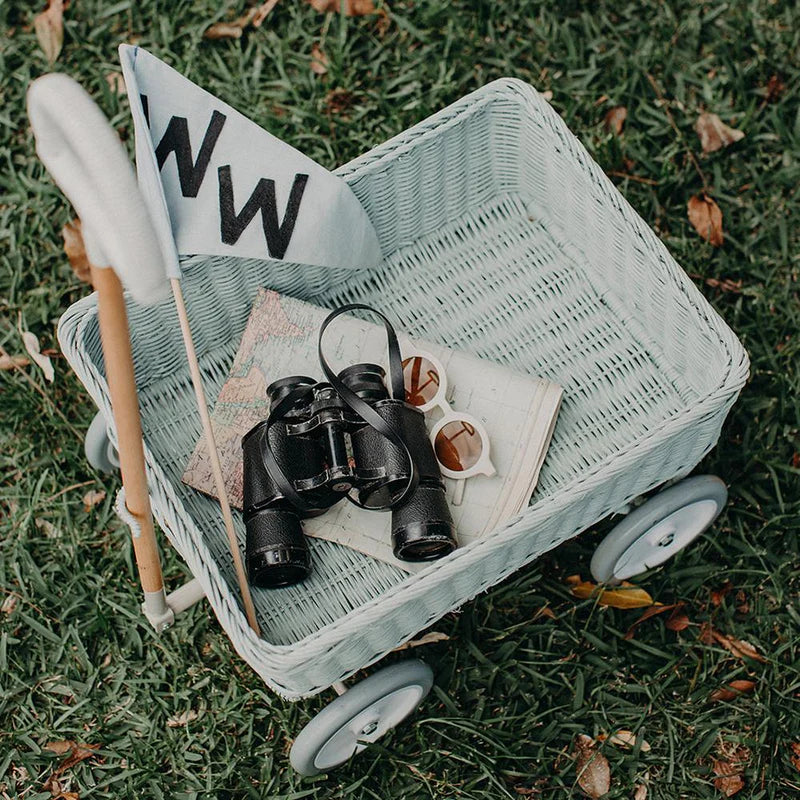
x: 277, y: 551
x: 422, y: 527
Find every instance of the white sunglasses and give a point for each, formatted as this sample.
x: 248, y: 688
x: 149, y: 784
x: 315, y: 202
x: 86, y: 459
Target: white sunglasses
x: 459, y: 440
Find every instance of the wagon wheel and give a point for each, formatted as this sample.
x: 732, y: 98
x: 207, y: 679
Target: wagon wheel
x: 100, y: 452
x: 360, y: 716
x: 659, y: 528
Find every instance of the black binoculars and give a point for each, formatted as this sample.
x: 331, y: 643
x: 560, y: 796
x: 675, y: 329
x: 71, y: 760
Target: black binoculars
x: 324, y: 442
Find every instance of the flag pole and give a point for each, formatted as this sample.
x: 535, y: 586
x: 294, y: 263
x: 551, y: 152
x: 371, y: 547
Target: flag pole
x: 213, y: 453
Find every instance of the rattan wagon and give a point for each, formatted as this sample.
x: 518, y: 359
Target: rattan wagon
x: 500, y: 236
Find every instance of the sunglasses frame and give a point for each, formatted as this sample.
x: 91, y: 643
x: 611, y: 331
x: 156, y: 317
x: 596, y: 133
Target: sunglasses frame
x: 484, y: 465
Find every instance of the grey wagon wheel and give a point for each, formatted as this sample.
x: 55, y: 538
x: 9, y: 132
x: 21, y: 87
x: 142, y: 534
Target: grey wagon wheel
x: 659, y: 528
x: 100, y: 453
x: 361, y: 715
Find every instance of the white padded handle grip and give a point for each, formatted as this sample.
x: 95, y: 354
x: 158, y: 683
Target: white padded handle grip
x: 88, y: 162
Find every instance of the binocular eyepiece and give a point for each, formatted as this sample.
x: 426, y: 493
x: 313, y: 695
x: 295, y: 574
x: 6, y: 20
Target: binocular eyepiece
x: 315, y: 449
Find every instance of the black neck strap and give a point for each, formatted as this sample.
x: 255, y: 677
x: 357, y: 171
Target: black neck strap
x: 364, y: 409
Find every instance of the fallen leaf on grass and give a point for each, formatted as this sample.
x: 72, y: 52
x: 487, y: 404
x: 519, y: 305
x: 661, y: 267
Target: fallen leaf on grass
x: 795, y: 755
x: 9, y: 604
x: 737, y: 647
x: 92, y: 498
x: 429, y: 638
x: 733, y: 690
x: 640, y: 793
x: 706, y: 218
x: 615, y: 119
x: 12, y: 362
x: 181, y: 720
x: 725, y: 285
x: 729, y: 780
x: 678, y: 620
x: 235, y: 28
x: 714, y: 133
x: 76, y: 753
x: 775, y: 88
x: 319, y: 61
x: 47, y: 528
x: 626, y: 595
x: 544, y: 611
x: 718, y: 595
x: 49, y: 27
x: 340, y: 100
x: 594, y: 772
x: 75, y: 250
x: 44, y: 363
x: 623, y: 738
x: 352, y: 8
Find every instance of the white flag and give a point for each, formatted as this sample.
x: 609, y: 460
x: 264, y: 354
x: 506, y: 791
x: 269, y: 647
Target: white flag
x: 217, y: 184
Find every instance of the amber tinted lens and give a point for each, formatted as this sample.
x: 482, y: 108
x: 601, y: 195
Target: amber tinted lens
x: 421, y: 379
x: 458, y: 446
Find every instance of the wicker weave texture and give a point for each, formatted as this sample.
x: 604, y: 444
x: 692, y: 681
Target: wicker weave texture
x: 500, y: 237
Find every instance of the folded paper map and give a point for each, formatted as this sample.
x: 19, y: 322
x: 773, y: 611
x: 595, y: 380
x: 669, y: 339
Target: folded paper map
x: 518, y: 411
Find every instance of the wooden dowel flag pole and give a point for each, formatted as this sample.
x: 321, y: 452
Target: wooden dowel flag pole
x: 213, y: 452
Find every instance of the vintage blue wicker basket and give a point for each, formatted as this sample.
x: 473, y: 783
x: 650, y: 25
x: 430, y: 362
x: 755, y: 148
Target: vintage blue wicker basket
x: 502, y: 237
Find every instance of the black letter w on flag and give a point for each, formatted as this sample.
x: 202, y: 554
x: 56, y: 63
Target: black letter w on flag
x: 176, y: 137
x: 263, y: 199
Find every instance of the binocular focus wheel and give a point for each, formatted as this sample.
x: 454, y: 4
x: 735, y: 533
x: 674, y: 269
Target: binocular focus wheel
x: 99, y: 450
x: 360, y: 716
x: 659, y: 528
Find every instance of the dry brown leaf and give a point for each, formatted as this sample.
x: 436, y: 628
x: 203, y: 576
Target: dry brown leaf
x: 235, y: 28
x: 429, y: 638
x: 594, y: 772
x: 775, y: 88
x: 795, y: 755
x: 47, y: 528
x: 737, y: 647
x: 340, y: 100
x: 623, y: 738
x: 13, y: 362
x: 544, y: 611
x: 706, y: 218
x: 352, y: 8
x: 75, y: 249
x: 262, y: 12
x: 626, y: 595
x: 718, y: 595
x: 77, y: 753
x: 9, y: 604
x: 181, y: 720
x: 729, y: 780
x: 649, y: 612
x: 615, y: 119
x: 640, y: 793
x: 319, y: 61
x: 49, y: 27
x: 733, y: 690
x: 725, y: 285
x: 44, y: 363
x: 92, y: 498
x: 226, y: 30
x: 678, y: 620
x: 714, y: 133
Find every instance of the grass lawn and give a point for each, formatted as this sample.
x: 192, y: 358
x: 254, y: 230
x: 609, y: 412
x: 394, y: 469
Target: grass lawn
x: 181, y: 716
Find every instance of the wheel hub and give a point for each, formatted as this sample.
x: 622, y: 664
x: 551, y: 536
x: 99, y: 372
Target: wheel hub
x: 667, y: 537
